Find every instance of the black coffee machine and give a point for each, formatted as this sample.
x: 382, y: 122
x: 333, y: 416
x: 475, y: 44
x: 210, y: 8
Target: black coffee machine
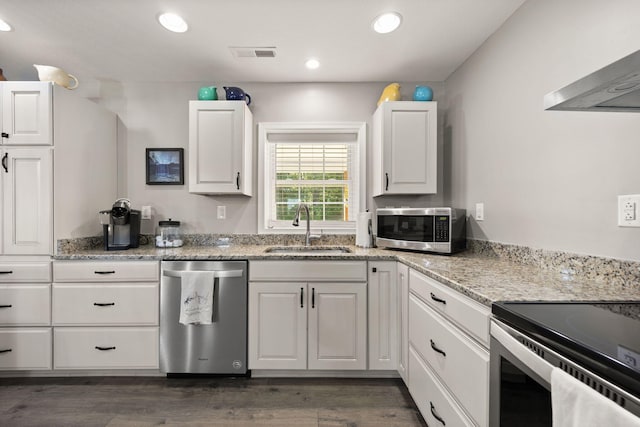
x: 121, y: 226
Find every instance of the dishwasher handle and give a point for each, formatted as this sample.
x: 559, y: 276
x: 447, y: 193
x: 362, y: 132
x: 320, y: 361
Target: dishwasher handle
x: 219, y: 273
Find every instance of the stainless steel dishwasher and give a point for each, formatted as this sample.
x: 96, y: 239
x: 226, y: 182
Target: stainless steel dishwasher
x: 218, y: 348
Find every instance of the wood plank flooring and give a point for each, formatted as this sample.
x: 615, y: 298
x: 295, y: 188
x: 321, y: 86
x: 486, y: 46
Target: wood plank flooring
x: 209, y: 401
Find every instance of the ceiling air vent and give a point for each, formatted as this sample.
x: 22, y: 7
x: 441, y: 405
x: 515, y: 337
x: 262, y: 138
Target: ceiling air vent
x: 253, y: 52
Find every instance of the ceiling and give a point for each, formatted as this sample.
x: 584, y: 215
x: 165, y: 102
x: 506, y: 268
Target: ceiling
x: 121, y: 40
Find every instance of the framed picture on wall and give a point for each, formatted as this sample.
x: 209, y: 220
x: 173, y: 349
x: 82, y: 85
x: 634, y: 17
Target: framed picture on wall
x: 165, y: 166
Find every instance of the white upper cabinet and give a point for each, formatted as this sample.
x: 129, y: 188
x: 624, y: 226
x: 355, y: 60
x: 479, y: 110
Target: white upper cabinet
x: 26, y: 113
x: 404, y: 145
x: 220, y: 147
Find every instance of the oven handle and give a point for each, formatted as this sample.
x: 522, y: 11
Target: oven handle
x: 538, y: 365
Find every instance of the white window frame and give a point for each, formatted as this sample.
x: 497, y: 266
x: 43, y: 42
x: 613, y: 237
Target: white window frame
x: 264, y: 196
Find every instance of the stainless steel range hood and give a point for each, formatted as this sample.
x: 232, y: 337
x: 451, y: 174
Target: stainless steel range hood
x: 615, y: 87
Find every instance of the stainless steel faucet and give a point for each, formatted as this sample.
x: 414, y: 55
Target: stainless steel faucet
x: 296, y: 222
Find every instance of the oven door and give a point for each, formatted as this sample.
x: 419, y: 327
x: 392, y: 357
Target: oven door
x: 520, y: 391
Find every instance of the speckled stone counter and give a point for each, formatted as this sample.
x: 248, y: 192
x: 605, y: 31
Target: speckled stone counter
x: 480, y: 276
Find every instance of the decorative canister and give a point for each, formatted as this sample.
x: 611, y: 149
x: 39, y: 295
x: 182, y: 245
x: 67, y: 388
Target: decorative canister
x: 168, y: 234
x: 423, y: 93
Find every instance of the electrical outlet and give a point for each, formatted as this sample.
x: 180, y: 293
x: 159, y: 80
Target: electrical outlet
x: 479, y: 211
x: 146, y: 212
x: 628, y: 206
x: 222, y: 212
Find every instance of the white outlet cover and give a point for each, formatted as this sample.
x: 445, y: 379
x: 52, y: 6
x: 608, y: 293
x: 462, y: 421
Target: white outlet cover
x: 629, y: 210
x: 222, y: 212
x: 479, y: 211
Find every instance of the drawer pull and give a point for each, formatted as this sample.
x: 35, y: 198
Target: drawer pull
x: 5, y: 351
x: 6, y: 306
x: 105, y: 272
x: 301, y: 297
x: 313, y: 297
x: 436, y: 299
x: 104, y: 304
x: 435, y: 414
x: 436, y: 349
x: 6, y: 272
x: 104, y: 348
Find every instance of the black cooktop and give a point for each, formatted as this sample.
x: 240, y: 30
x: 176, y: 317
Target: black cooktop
x: 604, y: 337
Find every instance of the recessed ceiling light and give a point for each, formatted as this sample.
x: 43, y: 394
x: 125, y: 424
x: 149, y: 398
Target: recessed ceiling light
x: 312, y: 64
x: 4, y: 26
x: 387, y: 22
x: 173, y: 22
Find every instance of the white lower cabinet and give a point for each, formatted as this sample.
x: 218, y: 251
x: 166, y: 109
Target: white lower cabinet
x: 402, y: 288
x: 307, y: 325
x: 105, y: 314
x: 106, y: 348
x: 444, y: 354
x: 296, y: 324
x: 25, y: 349
x: 436, y: 405
x: 383, y: 315
x: 25, y: 315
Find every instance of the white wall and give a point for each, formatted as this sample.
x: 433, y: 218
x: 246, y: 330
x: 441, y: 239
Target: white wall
x: 548, y: 179
x: 156, y: 115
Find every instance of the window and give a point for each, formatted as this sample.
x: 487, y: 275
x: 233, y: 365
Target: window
x: 317, y: 164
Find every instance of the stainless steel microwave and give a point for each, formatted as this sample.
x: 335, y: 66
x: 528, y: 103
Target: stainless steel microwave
x: 441, y: 230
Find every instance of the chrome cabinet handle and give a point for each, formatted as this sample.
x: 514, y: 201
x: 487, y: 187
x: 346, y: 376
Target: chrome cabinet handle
x: 104, y: 348
x: 435, y: 414
x: 436, y: 349
x: 436, y: 299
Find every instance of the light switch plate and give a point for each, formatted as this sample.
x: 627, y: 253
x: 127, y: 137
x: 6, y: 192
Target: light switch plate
x: 479, y: 211
x: 222, y: 212
x: 629, y: 210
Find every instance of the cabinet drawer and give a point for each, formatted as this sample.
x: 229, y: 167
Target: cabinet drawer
x: 462, y: 364
x: 308, y: 271
x: 469, y: 315
x: 105, y: 304
x: 431, y: 398
x: 26, y: 305
x: 25, y: 272
x: 105, y: 348
x: 105, y: 271
x: 30, y: 348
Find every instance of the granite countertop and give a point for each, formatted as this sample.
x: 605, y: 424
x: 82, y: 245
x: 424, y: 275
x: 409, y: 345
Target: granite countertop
x: 483, y: 278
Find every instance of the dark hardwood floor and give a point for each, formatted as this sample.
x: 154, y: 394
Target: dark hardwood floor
x: 210, y: 401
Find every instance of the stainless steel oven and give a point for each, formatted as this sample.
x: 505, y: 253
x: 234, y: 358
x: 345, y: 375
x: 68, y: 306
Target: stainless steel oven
x: 529, y: 339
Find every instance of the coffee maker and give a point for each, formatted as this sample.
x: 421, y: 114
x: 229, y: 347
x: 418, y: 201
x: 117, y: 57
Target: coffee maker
x: 120, y: 226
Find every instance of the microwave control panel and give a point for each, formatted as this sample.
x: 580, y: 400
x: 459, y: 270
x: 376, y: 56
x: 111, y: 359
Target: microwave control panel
x: 441, y: 228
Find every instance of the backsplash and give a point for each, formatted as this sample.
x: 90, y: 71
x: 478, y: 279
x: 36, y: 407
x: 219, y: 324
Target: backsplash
x: 598, y: 269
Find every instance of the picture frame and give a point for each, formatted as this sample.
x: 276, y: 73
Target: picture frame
x: 165, y: 166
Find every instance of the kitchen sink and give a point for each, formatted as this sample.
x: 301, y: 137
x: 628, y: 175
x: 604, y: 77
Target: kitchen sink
x: 308, y: 250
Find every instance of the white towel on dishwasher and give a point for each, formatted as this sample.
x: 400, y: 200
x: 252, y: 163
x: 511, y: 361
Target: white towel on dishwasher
x: 196, y: 297
x: 574, y: 404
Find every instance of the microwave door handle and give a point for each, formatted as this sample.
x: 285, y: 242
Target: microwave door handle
x: 532, y: 361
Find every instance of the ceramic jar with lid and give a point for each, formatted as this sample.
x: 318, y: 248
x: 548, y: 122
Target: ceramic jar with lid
x: 168, y: 234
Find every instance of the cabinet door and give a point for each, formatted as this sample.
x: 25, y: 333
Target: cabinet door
x: 405, y: 145
x: 27, y: 201
x: 26, y: 113
x: 277, y: 325
x: 220, y: 143
x: 337, y: 325
x: 402, y: 287
x: 383, y: 318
